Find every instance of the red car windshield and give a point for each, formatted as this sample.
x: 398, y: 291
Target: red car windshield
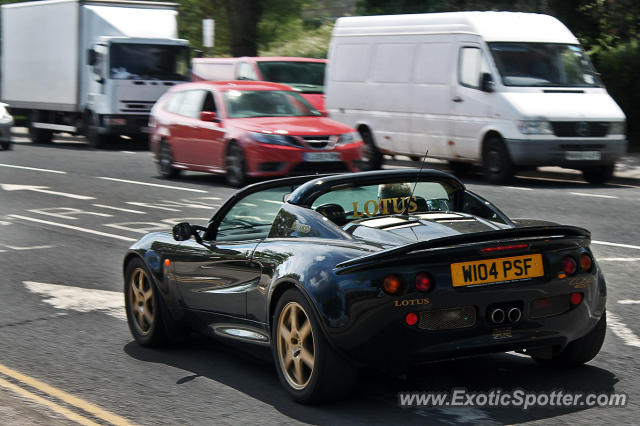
x: 267, y: 103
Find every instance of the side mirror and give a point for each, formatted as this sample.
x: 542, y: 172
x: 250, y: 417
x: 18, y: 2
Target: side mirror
x: 182, y: 231
x: 486, y: 82
x: 209, y: 116
x: 91, y: 57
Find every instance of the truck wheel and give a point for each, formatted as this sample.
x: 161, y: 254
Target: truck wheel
x: 308, y: 367
x: 371, y: 156
x: 496, y: 162
x: 6, y: 146
x: 40, y: 136
x: 598, y: 175
x: 236, y: 166
x: 165, y: 162
x: 579, y: 351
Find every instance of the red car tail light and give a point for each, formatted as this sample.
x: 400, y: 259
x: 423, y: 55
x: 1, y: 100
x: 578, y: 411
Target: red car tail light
x: 392, y: 284
x: 423, y: 282
x: 504, y: 248
x: 569, y: 265
x: 586, y: 262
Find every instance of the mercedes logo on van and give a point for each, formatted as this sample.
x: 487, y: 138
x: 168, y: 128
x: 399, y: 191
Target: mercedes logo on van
x: 582, y: 128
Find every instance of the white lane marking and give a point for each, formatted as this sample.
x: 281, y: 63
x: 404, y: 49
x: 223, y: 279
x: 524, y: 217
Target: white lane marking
x: 79, y: 299
x: 26, y: 248
x: 629, y: 302
x: 622, y: 331
x: 606, y: 243
x: 34, y: 168
x: 118, y: 208
x: 619, y: 259
x: 127, y: 152
x: 66, y: 212
x: 519, y: 188
x: 136, y: 203
x: 582, y: 194
x: 152, y: 184
x: 76, y: 228
x: 44, y: 190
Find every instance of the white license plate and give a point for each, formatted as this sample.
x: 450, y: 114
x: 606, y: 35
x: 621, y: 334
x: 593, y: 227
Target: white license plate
x: 582, y: 155
x: 321, y: 156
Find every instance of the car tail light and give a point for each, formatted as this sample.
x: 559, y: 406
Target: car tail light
x: 576, y: 298
x: 411, y: 318
x: 504, y: 248
x: 392, y: 284
x: 586, y: 262
x: 569, y: 265
x: 424, y: 282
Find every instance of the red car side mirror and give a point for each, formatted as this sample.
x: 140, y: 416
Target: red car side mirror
x: 209, y: 116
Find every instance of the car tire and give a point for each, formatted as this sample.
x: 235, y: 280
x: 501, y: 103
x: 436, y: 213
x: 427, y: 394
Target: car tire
x: 598, y: 175
x: 579, y: 351
x: 308, y: 367
x: 415, y: 158
x: 165, y: 162
x: 6, y: 146
x: 496, y: 161
x: 460, y: 168
x: 235, y: 166
x: 40, y: 136
x: 371, y: 156
x: 147, y: 316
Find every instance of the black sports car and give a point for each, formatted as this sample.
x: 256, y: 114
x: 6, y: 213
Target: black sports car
x: 379, y: 269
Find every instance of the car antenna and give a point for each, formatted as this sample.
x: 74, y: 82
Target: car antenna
x: 406, y: 207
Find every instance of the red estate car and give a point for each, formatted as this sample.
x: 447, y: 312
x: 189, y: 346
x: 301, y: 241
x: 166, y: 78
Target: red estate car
x: 247, y: 129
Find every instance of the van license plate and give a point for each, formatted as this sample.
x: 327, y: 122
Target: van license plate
x: 582, y: 155
x: 503, y: 269
x: 321, y: 156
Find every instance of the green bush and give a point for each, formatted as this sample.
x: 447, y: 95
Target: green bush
x: 619, y: 67
x: 307, y: 42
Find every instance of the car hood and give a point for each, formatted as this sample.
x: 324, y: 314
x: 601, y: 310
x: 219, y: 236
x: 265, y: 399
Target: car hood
x: 391, y: 231
x: 291, y: 125
x: 566, y: 106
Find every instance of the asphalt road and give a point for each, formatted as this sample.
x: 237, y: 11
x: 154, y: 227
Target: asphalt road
x: 67, y: 215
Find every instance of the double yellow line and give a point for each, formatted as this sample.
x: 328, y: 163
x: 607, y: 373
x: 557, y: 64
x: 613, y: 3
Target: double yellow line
x: 67, y: 398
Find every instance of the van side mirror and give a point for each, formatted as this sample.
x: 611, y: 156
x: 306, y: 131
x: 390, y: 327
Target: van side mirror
x: 91, y: 57
x: 209, y: 116
x: 486, y: 82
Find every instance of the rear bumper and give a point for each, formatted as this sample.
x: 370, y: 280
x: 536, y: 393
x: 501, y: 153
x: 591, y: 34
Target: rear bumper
x: 540, y: 152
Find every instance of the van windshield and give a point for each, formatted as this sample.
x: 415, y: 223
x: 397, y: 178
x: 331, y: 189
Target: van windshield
x: 543, y: 64
x: 307, y: 77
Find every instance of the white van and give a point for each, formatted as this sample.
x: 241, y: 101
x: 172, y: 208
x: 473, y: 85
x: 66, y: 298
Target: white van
x: 501, y: 89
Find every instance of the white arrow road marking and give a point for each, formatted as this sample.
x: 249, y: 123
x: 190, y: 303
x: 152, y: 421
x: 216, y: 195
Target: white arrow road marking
x: 118, y: 208
x: 76, y: 228
x: 33, y: 168
x: 152, y: 184
x: 581, y: 194
x: 619, y: 259
x: 79, y: 299
x: 43, y: 189
x: 26, y: 248
x: 629, y: 302
x: 605, y: 243
x: 621, y: 330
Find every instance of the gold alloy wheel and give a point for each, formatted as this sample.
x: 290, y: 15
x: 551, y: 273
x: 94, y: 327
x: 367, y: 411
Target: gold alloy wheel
x: 141, y: 301
x: 296, y: 350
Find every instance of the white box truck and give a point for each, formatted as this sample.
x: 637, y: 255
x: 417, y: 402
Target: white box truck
x: 89, y: 67
x: 501, y: 89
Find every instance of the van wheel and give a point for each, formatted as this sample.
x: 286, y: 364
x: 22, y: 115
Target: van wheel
x: 496, y: 162
x: 415, y: 158
x: 371, y: 158
x: 598, y: 175
x: 6, y: 146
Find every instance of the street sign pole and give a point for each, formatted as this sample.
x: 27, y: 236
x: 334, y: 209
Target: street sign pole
x: 208, y: 35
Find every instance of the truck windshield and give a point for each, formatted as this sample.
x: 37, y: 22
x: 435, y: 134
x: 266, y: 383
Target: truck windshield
x: 308, y: 77
x: 543, y: 64
x: 130, y: 61
x: 267, y: 103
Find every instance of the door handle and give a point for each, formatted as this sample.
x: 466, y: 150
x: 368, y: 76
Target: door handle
x: 457, y: 99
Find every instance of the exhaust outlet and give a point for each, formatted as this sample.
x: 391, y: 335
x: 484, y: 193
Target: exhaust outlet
x: 497, y: 316
x: 514, y: 315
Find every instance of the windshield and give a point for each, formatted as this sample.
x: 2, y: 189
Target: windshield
x: 389, y: 198
x: 267, y: 103
x: 543, y: 64
x: 307, y: 77
x: 131, y: 61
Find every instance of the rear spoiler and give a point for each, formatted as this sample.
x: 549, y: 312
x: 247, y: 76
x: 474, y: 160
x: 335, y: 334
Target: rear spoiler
x: 551, y: 232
